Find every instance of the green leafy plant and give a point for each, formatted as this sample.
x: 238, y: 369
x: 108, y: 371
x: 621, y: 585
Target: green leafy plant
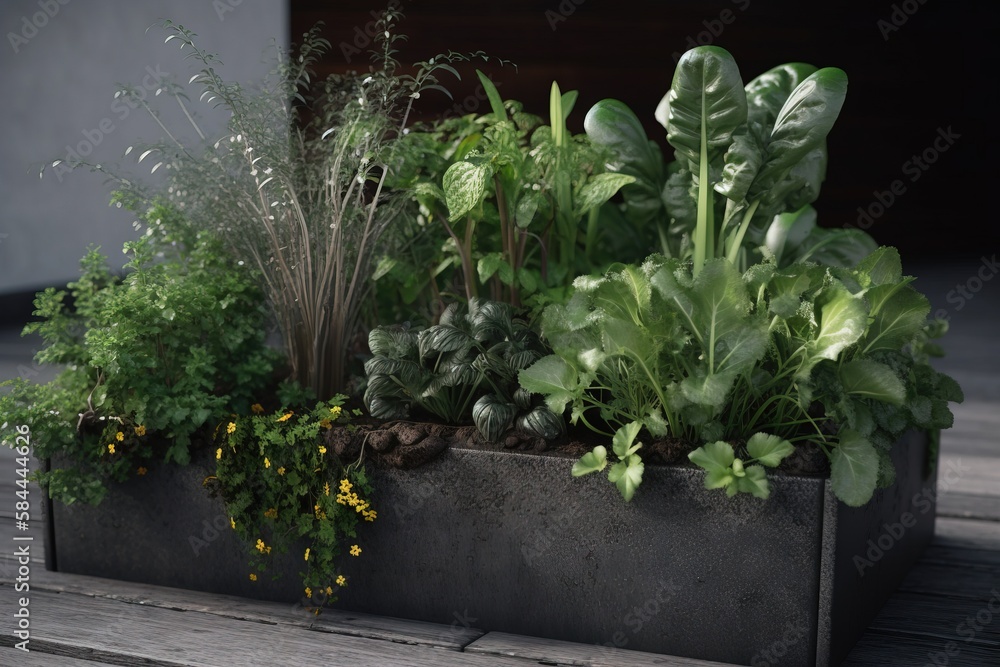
x: 150, y: 359
x: 761, y: 146
x: 522, y: 199
x: 464, y: 366
x: 283, y: 488
x: 297, y: 186
x: 822, y: 341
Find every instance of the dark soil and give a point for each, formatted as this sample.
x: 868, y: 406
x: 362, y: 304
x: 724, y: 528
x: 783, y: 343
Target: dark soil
x: 410, y: 444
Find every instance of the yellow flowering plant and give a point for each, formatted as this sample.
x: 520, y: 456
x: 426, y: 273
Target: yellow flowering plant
x: 284, y: 488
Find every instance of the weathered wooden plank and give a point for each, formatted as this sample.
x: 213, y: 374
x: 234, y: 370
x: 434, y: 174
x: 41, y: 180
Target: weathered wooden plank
x: 130, y: 634
x: 551, y: 652
x: 967, y: 533
x: 977, y: 559
x: 977, y: 475
x: 877, y: 649
x: 969, y: 506
x: 952, y: 580
x: 12, y: 657
x: 330, y: 620
x: 950, y: 619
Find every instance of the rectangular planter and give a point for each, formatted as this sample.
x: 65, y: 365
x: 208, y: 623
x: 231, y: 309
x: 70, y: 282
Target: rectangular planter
x: 512, y: 543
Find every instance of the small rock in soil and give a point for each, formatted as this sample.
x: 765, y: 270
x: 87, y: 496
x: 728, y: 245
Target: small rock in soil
x: 343, y: 442
x: 408, y: 433
x: 411, y: 456
x: 382, y: 440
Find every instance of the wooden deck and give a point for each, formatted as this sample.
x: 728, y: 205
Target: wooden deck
x: 946, y: 613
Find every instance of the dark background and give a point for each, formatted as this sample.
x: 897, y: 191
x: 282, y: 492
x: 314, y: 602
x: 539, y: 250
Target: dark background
x: 932, y: 69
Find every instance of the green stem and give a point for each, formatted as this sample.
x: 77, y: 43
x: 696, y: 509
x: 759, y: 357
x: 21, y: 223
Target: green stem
x: 736, y: 241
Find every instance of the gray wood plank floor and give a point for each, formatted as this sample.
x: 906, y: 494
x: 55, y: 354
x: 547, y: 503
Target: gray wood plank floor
x: 942, y: 615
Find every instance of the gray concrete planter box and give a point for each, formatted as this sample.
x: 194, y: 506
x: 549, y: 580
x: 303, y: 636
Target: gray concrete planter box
x: 511, y: 542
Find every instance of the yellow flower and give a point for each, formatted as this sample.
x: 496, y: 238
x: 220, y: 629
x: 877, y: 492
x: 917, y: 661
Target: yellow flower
x: 141, y: 471
x: 326, y: 488
x: 326, y: 423
x: 322, y: 449
x: 231, y: 428
x: 329, y: 590
x: 341, y: 581
x: 345, y: 486
x: 119, y: 436
x: 261, y: 547
x: 307, y: 554
x: 267, y: 463
x: 257, y: 408
x: 370, y: 515
x: 281, y: 470
x: 335, y: 411
x: 232, y: 522
x: 355, y: 550
x: 111, y: 448
x: 253, y: 577
x: 140, y: 430
x: 271, y: 513
x: 218, y: 453
x: 285, y: 417
x: 309, y: 592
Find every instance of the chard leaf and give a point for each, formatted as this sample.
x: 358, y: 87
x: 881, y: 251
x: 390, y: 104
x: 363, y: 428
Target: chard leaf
x: 768, y: 449
x: 871, y: 379
x: 555, y: 379
x: 465, y: 186
x: 854, y: 467
x: 591, y: 462
x: 623, y: 439
x: 767, y: 93
x: 742, y: 161
x: 789, y: 230
x: 881, y: 267
x: 627, y: 475
x: 802, y: 124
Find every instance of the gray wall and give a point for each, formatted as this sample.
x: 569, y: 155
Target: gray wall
x: 60, y: 61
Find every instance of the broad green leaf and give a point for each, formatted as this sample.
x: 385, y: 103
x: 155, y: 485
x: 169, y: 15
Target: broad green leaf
x: 789, y: 230
x: 493, y: 416
x: 599, y: 189
x: 843, y: 318
x: 853, y: 469
x: 465, y: 186
x: 706, y: 103
x: 874, y: 380
x: 835, y: 247
x: 627, y: 475
x: 494, y: 263
x: 898, y: 320
x: 623, y: 439
x: 881, y: 267
x: 714, y: 457
x: 591, y: 462
x: 527, y: 279
x: 526, y: 209
x: 555, y: 379
x: 769, y: 449
x: 754, y: 481
x: 767, y: 93
x: 742, y: 162
x: 802, y: 125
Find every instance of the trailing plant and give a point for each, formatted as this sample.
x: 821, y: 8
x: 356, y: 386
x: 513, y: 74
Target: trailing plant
x: 297, y: 186
x: 761, y: 146
x: 149, y: 359
x: 831, y: 351
x: 464, y: 366
x: 521, y: 200
x: 283, y: 488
